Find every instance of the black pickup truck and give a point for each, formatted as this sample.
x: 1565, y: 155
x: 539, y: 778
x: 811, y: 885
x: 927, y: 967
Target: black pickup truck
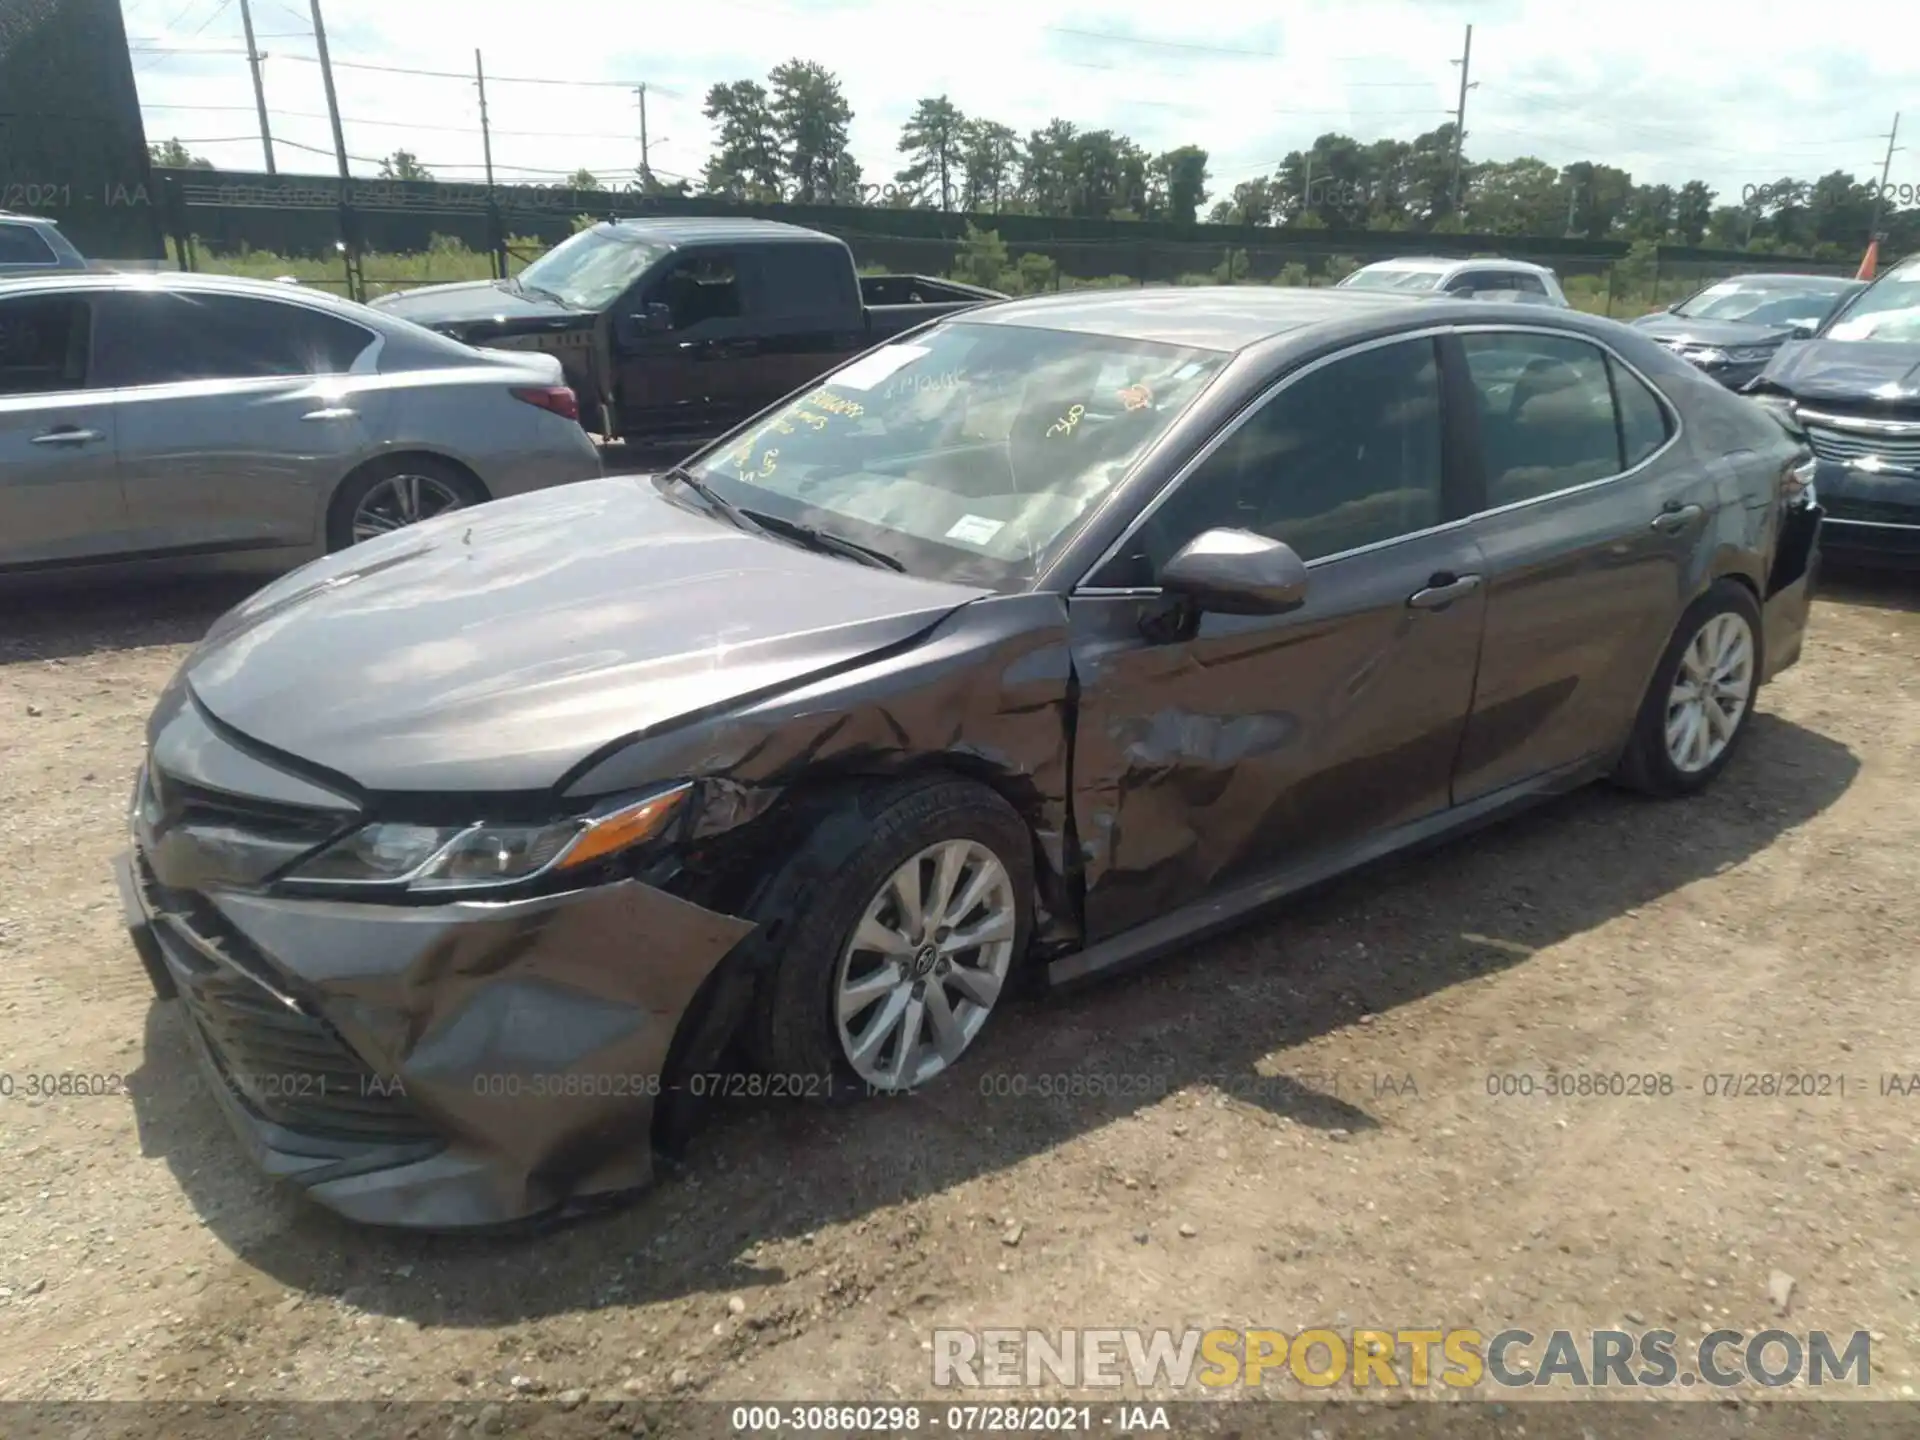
x: 673, y: 330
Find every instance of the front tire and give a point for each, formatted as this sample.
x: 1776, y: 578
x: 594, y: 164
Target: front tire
x: 897, y: 952
x: 1701, y: 697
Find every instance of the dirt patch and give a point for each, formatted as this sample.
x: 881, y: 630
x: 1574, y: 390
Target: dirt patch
x: 1289, y: 1126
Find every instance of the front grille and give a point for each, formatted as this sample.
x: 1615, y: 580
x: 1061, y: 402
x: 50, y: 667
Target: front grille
x: 1872, y: 512
x: 289, y: 1067
x: 1844, y: 446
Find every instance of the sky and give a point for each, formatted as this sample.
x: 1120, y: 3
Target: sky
x: 1734, y: 95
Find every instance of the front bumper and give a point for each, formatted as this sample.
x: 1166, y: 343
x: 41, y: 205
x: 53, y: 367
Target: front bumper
x: 442, y: 1067
x: 1871, y: 515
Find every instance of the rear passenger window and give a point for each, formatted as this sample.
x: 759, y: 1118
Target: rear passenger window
x: 1546, y: 414
x: 24, y: 245
x: 160, y: 337
x: 806, y: 280
x: 1643, y: 419
x: 43, y: 344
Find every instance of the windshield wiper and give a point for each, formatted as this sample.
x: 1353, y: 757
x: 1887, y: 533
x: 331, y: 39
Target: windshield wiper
x: 825, y: 540
x: 522, y: 288
x: 715, y: 500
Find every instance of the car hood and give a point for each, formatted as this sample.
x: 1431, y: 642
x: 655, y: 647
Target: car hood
x: 1678, y: 328
x: 497, y: 648
x: 474, y: 301
x: 1856, y: 370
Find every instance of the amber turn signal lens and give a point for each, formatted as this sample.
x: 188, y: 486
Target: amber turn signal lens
x: 613, y: 833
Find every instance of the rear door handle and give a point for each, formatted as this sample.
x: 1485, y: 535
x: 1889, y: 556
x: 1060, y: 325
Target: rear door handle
x: 338, y: 412
x: 68, y: 435
x: 1676, y: 518
x: 1442, y: 590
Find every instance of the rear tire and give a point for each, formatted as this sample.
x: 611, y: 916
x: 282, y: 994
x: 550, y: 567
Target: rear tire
x: 378, y: 497
x: 862, y: 988
x: 1701, y: 696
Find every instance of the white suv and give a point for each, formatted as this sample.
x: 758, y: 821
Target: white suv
x: 1510, y: 280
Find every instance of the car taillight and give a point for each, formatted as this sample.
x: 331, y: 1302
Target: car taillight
x: 557, y: 398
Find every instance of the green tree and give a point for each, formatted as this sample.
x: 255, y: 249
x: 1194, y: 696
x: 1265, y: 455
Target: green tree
x: 403, y: 165
x: 172, y: 155
x: 812, y: 119
x: 1252, y: 202
x: 746, y: 163
x: 584, y: 180
x: 1515, y: 197
x: 934, y: 140
x: 989, y: 165
x: 1046, y: 175
x: 1600, y: 195
x: 1692, y: 211
x: 1178, y: 181
x: 982, y: 258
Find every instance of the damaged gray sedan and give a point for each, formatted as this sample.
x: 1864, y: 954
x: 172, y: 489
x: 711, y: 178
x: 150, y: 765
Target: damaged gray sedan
x: 1044, y: 639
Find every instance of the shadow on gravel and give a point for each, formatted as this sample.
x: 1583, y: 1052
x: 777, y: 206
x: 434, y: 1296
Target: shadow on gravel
x: 1376, y: 940
x: 59, y: 618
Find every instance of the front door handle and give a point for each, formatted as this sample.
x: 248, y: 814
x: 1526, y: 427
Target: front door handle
x: 68, y: 435
x: 1442, y: 590
x: 1675, y: 518
x: 338, y: 412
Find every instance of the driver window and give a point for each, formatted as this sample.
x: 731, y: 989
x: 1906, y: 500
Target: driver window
x: 1348, y: 455
x: 699, y: 288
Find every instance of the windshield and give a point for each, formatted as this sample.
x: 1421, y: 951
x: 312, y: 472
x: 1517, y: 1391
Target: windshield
x: 1387, y: 279
x: 971, y: 452
x: 1762, y: 304
x: 591, y: 270
x: 1888, y: 309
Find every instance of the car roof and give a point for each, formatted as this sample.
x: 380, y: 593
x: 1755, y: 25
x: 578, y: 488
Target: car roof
x: 700, y: 229
x: 1436, y: 264
x: 176, y: 281
x: 1207, y: 317
x: 1787, y: 280
x: 14, y: 217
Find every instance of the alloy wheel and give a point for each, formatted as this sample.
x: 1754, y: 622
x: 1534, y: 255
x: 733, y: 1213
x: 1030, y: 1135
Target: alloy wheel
x: 402, y: 500
x: 1711, y: 692
x: 925, y: 965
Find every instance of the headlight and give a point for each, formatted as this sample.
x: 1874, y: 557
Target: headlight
x: 434, y: 858
x: 1708, y: 355
x: 1751, y: 354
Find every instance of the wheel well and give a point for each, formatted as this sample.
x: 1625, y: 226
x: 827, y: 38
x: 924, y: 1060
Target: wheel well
x: 808, y: 801
x: 466, y: 471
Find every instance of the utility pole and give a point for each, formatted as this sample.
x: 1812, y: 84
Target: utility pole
x: 646, y: 169
x: 333, y: 99
x: 1886, y: 166
x: 1460, y: 115
x: 497, y: 245
x: 259, y: 84
x: 349, y: 248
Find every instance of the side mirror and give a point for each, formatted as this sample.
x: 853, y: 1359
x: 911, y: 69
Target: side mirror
x: 1803, y: 329
x: 1236, y: 572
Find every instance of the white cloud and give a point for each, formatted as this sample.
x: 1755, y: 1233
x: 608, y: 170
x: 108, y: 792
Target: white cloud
x: 1670, y: 92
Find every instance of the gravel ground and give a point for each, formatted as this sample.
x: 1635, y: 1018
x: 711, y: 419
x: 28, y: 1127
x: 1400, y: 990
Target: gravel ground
x: 1329, y: 1152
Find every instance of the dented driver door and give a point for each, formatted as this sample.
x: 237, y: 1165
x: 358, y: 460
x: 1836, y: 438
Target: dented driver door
x: 1219, y: 749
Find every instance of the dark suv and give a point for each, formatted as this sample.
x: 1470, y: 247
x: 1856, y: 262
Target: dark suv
x: 1854, y: 391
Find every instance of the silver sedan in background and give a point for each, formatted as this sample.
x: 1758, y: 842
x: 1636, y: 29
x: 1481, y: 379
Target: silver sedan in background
x: 249, y: 424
